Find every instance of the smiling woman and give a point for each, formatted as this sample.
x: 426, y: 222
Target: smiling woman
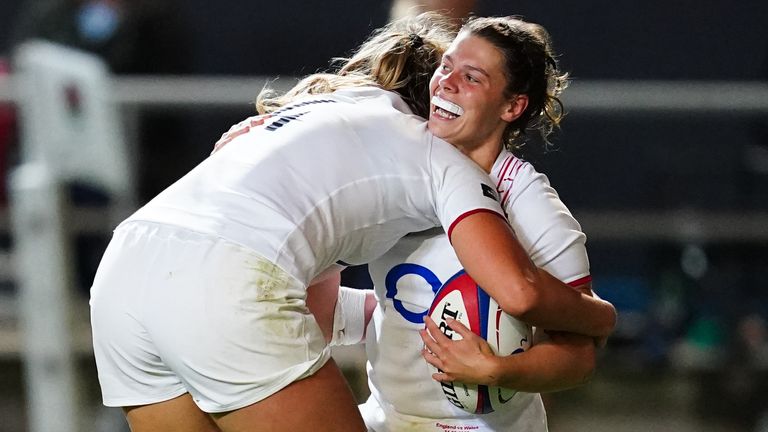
x: 471, y: 78
x: 498, y: 79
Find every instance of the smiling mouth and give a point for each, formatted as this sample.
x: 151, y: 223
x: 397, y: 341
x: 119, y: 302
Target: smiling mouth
x: 446, y: 109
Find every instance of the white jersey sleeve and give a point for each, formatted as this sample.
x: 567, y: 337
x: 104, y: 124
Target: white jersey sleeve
x: 454, y: 189
x: 543, y: 224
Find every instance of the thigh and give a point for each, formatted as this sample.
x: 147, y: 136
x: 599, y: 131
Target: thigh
x: 175, y: 415
x: 322, y: 402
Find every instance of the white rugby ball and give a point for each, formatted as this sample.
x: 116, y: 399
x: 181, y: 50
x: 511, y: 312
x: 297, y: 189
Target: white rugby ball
x: 460, y: 298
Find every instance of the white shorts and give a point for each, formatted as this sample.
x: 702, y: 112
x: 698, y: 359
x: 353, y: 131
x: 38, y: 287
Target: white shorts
x: 175, y: 311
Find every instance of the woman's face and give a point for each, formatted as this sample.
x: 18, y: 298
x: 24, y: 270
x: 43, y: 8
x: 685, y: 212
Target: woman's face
x: 468, y: 107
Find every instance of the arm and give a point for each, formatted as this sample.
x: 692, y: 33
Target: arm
x: 493, y: 257
x: 556, y: 361
x: 322, y: 293
x: 342, y: 313
x: 564, y: 361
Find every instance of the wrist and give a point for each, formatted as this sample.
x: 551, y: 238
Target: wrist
x: 497, y: 369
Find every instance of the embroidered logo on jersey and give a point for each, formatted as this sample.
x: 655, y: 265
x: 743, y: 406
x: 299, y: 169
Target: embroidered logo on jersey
x: 489, y: 192
x: 283, y: 120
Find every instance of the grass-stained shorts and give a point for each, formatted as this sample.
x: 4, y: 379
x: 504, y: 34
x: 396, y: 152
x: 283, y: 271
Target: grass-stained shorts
x: 175, y: 311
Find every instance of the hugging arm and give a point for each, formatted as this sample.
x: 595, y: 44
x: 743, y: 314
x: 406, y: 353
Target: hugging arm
x: 322, y: 294
x: 492, y: 256
x: 557, y: 360
x: 342, y: 313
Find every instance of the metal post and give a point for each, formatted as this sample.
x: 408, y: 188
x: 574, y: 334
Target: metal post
x: 42, y: 252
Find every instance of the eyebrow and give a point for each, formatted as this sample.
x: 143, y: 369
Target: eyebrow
x: 474, y: 68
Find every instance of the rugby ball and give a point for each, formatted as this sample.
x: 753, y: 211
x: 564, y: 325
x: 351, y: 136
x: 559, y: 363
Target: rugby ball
x: 460, y: 298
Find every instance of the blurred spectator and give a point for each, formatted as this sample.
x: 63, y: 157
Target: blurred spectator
x: 132, y: 37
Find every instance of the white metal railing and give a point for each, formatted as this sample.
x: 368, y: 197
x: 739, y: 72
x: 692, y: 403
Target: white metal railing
x: 742, y: 99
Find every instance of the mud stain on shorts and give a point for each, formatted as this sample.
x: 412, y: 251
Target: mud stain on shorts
x: 269, y: 280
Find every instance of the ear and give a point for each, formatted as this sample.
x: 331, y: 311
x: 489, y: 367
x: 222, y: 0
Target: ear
x: 515, y: 108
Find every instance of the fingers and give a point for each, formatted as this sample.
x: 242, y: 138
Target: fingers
x: 432, y: 336
x: 459, y: 328
x: 440, y: 335
x: 434, y: 330
x: 431, y: 358
x: 441, y: 377
x: 435, y: 361
x: 436, y: 345
x: 430, y: 346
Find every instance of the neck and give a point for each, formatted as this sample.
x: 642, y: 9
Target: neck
x: 484, y: 155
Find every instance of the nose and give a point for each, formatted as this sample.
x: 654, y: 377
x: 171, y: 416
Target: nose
x: 446, y: 82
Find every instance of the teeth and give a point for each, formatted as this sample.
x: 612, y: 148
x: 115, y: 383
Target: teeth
x: 448, y: 106
x: 444, y: 114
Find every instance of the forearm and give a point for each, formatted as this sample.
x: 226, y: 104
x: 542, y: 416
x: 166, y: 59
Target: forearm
x: 562, y: 308
x: 498, y: 263
x: 549, y: 366
x: 560, y: 362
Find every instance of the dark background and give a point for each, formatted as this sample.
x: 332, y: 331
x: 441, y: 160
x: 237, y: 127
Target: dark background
x: 675, y: 297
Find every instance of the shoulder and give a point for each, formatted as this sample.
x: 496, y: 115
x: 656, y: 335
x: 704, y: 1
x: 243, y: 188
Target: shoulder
x: 374, y: 96
x: 450, y: 162
x: 513, y: 176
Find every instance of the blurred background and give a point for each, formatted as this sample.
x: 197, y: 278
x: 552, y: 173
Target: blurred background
x: 663, y: 158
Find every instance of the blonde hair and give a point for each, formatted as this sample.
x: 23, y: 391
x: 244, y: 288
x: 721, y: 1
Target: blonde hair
x: 399, y: 57
x: 531, y: 68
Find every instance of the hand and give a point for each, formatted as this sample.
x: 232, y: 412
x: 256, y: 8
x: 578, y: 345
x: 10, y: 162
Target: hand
x: 469, y: 360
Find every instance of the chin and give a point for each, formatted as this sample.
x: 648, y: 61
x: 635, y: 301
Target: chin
x: 437, y: 131
x: 441, y: 130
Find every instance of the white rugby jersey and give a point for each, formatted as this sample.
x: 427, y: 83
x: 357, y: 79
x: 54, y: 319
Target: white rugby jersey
x: 331, y: 178
x: 403, y: 394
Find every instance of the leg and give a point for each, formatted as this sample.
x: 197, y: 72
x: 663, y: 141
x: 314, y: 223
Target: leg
x: 176, y: 415
x: 322, y: 402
